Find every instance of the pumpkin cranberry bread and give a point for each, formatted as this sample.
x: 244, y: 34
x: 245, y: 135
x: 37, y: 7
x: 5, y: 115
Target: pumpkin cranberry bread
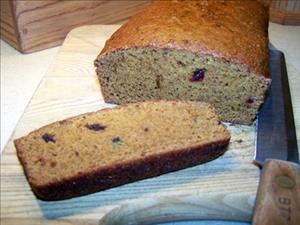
x: 111, y: 147
x: 212, y: 51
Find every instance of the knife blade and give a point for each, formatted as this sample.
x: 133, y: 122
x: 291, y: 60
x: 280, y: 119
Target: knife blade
x: 278, y: 196
x: 276, y: 136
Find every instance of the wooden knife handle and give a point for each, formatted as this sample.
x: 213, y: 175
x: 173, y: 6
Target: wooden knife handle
x: 278, y: 196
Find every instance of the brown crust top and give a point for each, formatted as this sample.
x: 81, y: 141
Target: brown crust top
x: 235, y: 31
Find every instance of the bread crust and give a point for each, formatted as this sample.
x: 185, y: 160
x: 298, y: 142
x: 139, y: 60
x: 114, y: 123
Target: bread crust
x: 119, y: 174
x: 232, y: 31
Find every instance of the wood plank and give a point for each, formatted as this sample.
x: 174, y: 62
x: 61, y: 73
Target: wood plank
x: 44, y: 24
x: 284, y: 12
x: 286, y: 18
x: 8, y: 25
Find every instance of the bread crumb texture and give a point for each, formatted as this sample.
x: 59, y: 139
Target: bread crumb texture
x: 111, y: 147
x: 212, y: 51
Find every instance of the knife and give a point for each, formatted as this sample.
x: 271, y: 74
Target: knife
x: 278, y: 196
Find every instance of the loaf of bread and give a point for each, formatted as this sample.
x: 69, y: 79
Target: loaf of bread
x: 213, y: 51
x: 111, y: 147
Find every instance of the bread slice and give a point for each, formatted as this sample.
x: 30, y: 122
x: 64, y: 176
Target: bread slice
x: 211, y: 51
x: 111, y: 147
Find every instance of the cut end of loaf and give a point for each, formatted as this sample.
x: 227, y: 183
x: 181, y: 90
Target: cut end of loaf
x: 111, y: 147
x: 140, y: 74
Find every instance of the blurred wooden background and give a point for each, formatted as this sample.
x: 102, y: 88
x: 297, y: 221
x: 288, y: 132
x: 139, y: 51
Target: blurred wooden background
x: 286, y: 12
x: 35, y: 25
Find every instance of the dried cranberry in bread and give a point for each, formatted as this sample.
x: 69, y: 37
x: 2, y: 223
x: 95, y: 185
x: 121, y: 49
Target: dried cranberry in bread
x: 213, y: 51
x: 111, y: 147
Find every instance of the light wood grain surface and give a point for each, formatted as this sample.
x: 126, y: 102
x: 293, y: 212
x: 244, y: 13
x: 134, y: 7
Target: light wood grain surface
x: 222, y: 189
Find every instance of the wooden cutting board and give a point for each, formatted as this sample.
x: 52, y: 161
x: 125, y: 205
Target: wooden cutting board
x: 223, y: 188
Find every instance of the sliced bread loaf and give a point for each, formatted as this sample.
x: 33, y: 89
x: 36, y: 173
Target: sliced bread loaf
x: 111, y: 147
x: 213, y: 51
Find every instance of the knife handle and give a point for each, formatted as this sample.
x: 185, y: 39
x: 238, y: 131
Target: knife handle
x: 278, y: 196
